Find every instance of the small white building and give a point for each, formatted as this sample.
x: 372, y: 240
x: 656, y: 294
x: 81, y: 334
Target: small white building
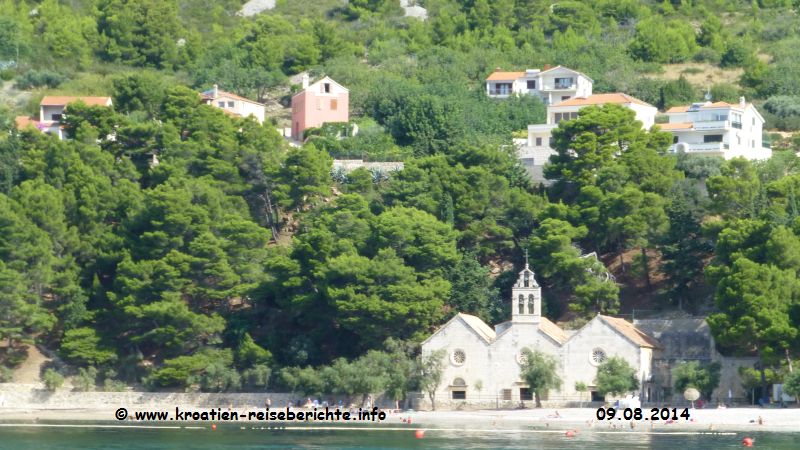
x: 536, y: 151
x: 51, y: 111
x: 482, y: 366
x: 552, y: 85
x: 233, y: 104
x: 717, y: 129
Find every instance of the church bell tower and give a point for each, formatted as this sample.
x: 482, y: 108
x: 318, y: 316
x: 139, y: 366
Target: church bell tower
x: 526, y: 297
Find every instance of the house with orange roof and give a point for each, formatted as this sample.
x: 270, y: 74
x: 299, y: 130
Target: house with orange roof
x: 552, y: 84
x: 324, y: 101
x: 728, y: 130
x: 535, y: 151
x: 51, y: 110
x: 482, y: 364
x: 232, y: 104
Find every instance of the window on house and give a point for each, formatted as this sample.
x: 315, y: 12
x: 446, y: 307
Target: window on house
x: 326, y: 88
x: 531, y: 84
x: 507, y: 394
x: 56, y: 117
x: 525, y: 394
x: 559, y: 117
x: 230, y: 104
x: 538, y: 142
x: 712, y: 138
x: 564, y: 97
x: 334, y: 104
x: 221, y: 104
x: 500, y: 89
x: 459, y: 395
x: 564, y: 83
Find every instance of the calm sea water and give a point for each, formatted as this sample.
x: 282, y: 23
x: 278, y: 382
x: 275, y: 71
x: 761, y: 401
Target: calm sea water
x: 45, y: 438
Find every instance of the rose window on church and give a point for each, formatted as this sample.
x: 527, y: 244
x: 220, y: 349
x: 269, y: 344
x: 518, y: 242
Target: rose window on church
x: 598, y: 356
x: 458, y: 357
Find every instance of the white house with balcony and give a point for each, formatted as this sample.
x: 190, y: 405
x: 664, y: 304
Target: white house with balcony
x: 535, y: 151
x: 552, y: 85
x: 717, y: 129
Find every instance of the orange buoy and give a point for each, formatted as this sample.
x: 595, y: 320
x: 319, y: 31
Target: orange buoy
x: 569, y: 433
x: 213, y: 426
x: 419, y: 434
x: 748, y: 441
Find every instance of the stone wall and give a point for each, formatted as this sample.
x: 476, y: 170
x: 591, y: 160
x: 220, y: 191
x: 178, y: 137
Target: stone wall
x: 348, y: 165
x: 691, y: 340
x: 31, y: 396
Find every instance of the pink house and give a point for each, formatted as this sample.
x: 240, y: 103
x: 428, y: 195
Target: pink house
x: 322, y: 102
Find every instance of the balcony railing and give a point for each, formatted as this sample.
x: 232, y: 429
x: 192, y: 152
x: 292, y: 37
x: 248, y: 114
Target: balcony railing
x: 699, y: 147
x: 499, y: 92
x: 558, y: 86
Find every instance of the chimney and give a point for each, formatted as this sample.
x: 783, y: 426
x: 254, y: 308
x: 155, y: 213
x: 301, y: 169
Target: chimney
x: 742, y: 102
x: 305, y: 81
x: 546, y: 67
x: 215, y: 92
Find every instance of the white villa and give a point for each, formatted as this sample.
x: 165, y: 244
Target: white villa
x: 552, y: 85
x: 233, y: 104
x: 51, y: 110
x: 717, y: 129
x: 482, y: 364
x: 535, y: 151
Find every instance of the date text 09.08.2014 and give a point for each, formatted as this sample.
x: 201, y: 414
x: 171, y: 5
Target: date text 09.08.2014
x: 659, y: 414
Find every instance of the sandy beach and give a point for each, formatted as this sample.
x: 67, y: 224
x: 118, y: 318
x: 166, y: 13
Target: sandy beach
x: 583, y: 419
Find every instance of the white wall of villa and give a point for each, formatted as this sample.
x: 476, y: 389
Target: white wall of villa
x: 552, y: 85
x: 718, y: 129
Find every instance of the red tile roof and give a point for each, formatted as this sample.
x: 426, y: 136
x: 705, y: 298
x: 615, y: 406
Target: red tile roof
x: 602, y: 99
x: 675, y: 126
x: 634, y: 334
x: 52, y: 100
x: 504, y: 76
x: 553, y: 330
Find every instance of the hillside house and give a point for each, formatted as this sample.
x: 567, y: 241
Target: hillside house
x: 51, y: 110
x: 553, y: 85
x: 325, y: 101
x: 536, y: 150
x: 233, y: 104
x: 717, y: 129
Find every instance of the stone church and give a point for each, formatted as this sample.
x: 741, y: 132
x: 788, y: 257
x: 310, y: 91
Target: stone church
x: 482, y: 364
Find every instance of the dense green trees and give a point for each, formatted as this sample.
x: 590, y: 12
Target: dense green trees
x: 540, y: 371
x: 692, y: 375
x: 615, y: 376
x: 236, y: 262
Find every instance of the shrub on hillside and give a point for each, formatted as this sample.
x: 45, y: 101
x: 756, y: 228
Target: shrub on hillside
x: 52, y: 379
x: 40, y: 78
